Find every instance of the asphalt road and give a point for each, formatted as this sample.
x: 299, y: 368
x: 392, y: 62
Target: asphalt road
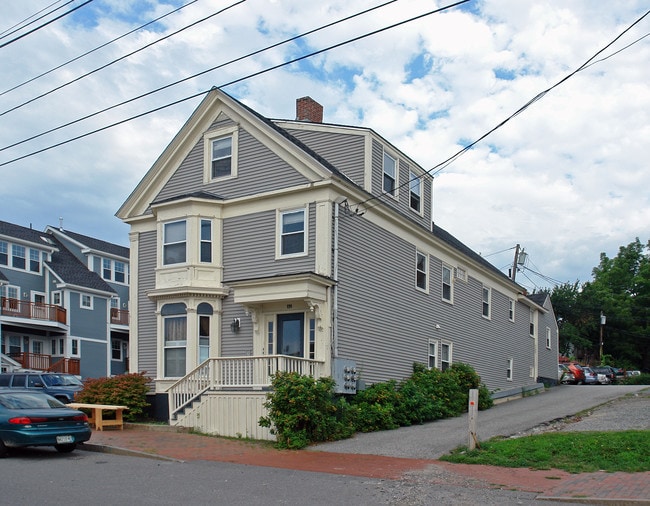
x: 434, y: 439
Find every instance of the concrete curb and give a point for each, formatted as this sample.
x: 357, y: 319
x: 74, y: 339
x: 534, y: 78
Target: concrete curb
x: 114, y: 450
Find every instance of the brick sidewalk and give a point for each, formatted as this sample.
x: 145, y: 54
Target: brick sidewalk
x: 591, y: 488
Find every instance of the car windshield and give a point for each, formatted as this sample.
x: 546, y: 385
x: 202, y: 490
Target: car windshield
x: 61, y: 380
x: 23, y: 400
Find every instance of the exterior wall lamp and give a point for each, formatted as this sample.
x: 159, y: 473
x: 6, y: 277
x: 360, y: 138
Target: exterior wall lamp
x: 235, y: 325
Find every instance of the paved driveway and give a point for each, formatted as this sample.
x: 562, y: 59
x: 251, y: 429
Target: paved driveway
x: 434, y: 439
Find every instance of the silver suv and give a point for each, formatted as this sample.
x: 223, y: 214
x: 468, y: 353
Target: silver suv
x: 61, y: 386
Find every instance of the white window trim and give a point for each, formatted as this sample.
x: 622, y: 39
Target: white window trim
x: 412, y: 177
x: 532, y: 325
x: 213, y: 135
x: 81, y: 301
x: 451, y: 284
x: 278, y: 233
x: 113, y: 341
x: 396, y: 159
x: 511, y: 307
x: 162, y: 242
x: 509, y: 369
x: 489, y: 302
x: 548, y: 338
x: 436, y: 352
x: 450, y: 345
x: 426, y: 271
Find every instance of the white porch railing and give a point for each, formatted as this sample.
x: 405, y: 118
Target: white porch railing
x: 236, y: 372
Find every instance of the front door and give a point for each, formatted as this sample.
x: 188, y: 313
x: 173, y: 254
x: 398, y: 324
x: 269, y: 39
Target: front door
x: 291, y: 335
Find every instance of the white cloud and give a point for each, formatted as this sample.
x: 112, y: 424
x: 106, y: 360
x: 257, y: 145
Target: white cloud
x: 567, y: 178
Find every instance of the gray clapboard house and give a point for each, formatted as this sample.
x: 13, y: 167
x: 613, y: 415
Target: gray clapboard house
x: 262, y: 245
x: 64, y: 302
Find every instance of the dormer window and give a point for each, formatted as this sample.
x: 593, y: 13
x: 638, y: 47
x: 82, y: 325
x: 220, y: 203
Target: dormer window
x: 390, y: 174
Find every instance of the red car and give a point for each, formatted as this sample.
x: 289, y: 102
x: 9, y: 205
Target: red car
x: 578, y: 374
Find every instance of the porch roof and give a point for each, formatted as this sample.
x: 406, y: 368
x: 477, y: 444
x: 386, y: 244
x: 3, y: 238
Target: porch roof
x: 304, y: 286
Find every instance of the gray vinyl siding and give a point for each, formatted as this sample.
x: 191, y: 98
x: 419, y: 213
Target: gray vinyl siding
x: 249, y: 248
x: 241, y: 343
x: 345, y: 151
x: 385, y: 323
x: 548, y: 358
x: 402, y: 201
x: 259, y: 170
x: 147, y: 333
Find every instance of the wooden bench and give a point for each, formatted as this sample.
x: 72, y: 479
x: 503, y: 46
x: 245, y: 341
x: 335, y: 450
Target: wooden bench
x: 96, y: 417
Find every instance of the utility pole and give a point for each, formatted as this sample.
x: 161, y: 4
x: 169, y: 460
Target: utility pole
x: 603, y: 320
x: 513, y: 273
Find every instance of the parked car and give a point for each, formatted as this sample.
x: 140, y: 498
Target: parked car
x: 591, y: 378
x: 607, y: 371
x: 33, y: 418
x: 563, y: 374
x: 577, y: 373
x: 58, y: 385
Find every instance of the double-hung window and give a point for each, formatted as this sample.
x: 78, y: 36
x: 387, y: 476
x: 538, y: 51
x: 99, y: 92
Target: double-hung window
x: 221, y: 159
x: 206, y: 241
x: 174, y: 243
x: 120, y: 272
x: 4, y: 253
x: 511, y: 310
x: 420, y: 270
x: 446, y: 284
x: 293, y: 237
x: 509, y: 369
x: 445, y: 355
x: 107, y: 270
x: 548, y: 338
x: 175, y: 339
x: 532, y: 322
x: 17, y: 256
x: 487, y: 294
x: 34, y: 260
x: 86, y: 301
x: 415, y: 192
x: 390, y: 174
x: 433, y: 354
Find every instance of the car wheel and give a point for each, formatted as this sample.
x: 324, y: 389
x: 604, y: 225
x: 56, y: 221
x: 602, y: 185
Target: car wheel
x: 3, y: 450
x: 67, y: 448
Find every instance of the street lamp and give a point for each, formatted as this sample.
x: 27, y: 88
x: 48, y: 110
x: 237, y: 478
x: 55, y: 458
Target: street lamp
x: 603, y: 320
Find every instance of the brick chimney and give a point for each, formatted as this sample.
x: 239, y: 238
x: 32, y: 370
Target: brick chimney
x: 307, y: 109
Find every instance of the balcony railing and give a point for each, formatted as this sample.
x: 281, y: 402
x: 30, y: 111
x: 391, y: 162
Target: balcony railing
x: 119, y: 316
x: 32, y: 310
x: 40, y: 362
x: 236, y: 372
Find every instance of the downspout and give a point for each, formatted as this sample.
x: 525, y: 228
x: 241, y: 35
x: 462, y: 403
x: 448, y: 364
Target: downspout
x: 335, y: 274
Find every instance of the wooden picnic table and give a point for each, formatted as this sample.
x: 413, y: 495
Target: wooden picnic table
x: 96, y: 417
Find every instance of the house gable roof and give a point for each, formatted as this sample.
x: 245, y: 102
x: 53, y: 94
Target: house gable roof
x: 91, y: 243
x: 24, y: 234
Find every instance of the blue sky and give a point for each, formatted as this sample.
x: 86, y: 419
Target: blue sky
x: 567, y: 178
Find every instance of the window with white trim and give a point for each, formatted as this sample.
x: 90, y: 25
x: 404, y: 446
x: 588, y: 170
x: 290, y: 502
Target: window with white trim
x: 415, y: 192
x: 447, y: 292
x: 511, y: 310
x: 389, y: 184
x: 548, y: 338
x: 445, y: 355
x: 433, y: 354
x: 18, y: 256
x: 74, y: 347
x: 221, y: 159
x: 292, y: 236
x: 532, y: 322
x: 116, y: 349
x: 120, y: 272
x: 509, y: 370
x: 206, y: 241
x: 34, y: 260
x: 204, y: 311
x: 4, y: 253
x: 487, y: 296
x: 174, y: 243
x: 107, y: 269
x: 220, y: 154
x: 421, y: 270
x: 312, y: 338
x: 86, y: 301
x: 174, y: 316
x: 56, y: 299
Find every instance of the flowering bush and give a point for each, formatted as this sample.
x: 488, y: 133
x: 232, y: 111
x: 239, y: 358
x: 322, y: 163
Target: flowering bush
x: 124, y: 390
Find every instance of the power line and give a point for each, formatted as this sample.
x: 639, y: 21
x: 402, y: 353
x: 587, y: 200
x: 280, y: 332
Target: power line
x: 442, y: 165
x: 18, y: 26
x: 97, y: 48
x: 45, y: 24
x: 240, y: 58
x: 120, y: 58
x: 255, y: 74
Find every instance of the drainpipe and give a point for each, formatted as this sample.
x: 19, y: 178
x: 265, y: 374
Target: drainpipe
x: 335, y: 274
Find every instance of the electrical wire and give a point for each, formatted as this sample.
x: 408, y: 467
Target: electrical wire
x: 445, y: 163
x: 240, y: 58
x: 45, y: 24
x: 5, y: 33
x: 120, y: 58
x: 263, y: 71
x: 96, y: 48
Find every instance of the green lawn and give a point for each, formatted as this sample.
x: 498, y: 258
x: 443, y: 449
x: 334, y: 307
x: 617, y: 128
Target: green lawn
x: 575, y: 452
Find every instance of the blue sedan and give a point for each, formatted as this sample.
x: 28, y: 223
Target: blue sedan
x: 38, y: 419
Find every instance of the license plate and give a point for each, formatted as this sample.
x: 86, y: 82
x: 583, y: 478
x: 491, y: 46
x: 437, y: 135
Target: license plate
x: 64, y: 439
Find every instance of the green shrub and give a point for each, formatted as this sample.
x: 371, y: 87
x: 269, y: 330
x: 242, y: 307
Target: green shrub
x: 124, y: 390
x: 638, y: 379
x: 375, y: 407
x: 302, y: 410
